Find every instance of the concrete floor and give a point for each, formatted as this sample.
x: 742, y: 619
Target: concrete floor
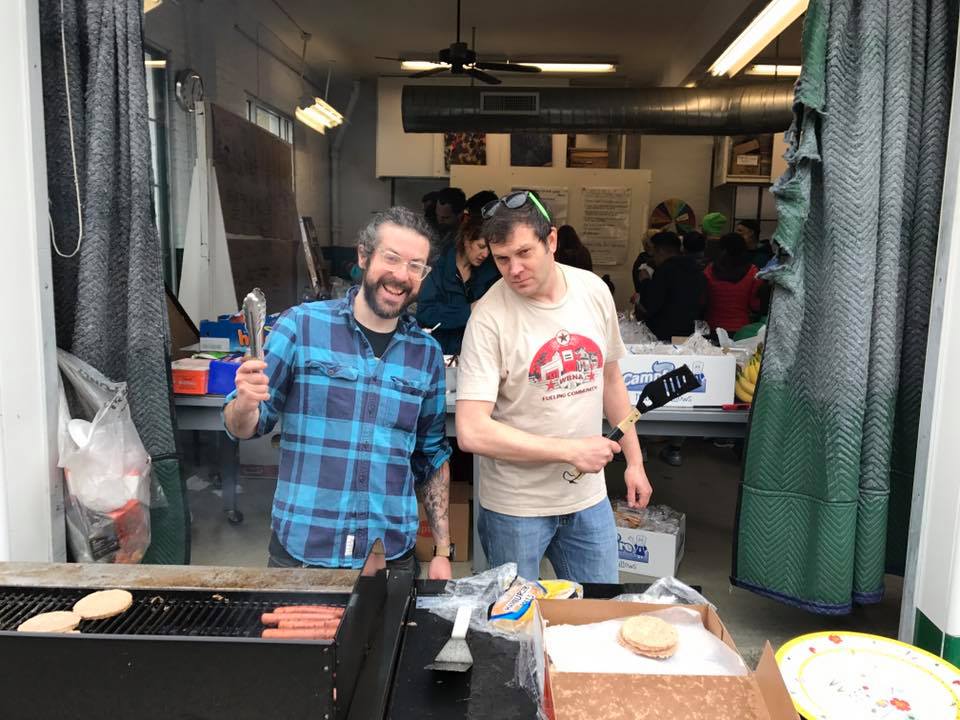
x: 704, y: 487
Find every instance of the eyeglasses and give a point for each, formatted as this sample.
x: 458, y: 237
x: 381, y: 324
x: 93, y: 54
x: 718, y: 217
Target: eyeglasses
x: 414, y: 267
x: 514, y: 201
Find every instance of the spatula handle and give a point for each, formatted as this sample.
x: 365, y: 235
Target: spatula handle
x: 462, y: 622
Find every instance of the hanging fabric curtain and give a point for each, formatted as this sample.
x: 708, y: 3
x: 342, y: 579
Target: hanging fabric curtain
x: 830, y: 455
x: 108, y: 287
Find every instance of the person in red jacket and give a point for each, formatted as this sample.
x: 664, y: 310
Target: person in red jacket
x: 733, y: 289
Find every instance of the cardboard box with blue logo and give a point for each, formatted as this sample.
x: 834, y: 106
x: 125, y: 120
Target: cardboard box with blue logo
x: 717, y: 375
x: 650, y: 541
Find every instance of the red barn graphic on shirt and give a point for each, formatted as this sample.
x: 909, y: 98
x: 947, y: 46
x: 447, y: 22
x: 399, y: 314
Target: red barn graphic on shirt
x: 567, y: 361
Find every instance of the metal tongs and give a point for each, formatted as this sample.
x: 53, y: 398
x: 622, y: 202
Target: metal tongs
x: 255, y: 317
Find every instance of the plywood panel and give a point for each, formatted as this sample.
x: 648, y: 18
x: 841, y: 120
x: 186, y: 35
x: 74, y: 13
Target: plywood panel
x: 255, y: 176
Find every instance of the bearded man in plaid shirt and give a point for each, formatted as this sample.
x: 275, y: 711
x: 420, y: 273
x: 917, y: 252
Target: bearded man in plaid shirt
x: 359, y: 390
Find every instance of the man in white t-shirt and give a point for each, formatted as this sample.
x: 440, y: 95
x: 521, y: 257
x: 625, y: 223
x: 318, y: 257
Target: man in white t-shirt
x: 537, y: 373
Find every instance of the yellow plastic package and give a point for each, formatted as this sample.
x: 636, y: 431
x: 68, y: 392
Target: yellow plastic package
x: 513, y: 610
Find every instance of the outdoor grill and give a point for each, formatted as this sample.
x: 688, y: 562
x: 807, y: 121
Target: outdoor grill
x: 198, y: 654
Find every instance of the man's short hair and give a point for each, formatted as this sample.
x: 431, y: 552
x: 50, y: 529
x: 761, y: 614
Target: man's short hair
x: 498, y: 227
x: 666, y: 240
x: 751, y: 225
x: 369, y: 238
x: 454, y: 197
x: 694, y: 242
x: 430, y: 196
x: 478, y: 200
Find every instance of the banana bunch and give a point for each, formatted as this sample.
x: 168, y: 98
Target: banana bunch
x: 747, y: 377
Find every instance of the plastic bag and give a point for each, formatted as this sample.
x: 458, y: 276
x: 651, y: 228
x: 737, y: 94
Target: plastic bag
x: 667, y: 591
x: 105, y: 466
x: 480, y: 592
x: 742, y: 349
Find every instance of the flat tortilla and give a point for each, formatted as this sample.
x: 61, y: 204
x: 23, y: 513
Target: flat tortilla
x: 60, y: 621
x: 649, y: 636
x: 103, y: 604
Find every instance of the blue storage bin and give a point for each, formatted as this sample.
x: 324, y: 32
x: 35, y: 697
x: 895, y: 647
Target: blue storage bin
x: 223, y: 376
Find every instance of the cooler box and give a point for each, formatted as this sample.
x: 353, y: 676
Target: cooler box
x: 190, y: 376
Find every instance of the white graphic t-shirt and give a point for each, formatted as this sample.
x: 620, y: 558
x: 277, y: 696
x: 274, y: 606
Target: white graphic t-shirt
x: 542, y: 366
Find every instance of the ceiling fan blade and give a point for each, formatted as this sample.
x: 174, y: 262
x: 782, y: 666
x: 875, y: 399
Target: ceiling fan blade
x: 381, y: 57
x: 507, y: 67
x: 482, y: 76
x: 428, y: 73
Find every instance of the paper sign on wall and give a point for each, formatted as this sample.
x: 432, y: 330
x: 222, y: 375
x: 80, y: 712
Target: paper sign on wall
x: 556, y: 200
x: 606, y: 224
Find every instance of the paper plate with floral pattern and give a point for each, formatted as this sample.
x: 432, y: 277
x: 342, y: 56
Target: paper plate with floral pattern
x: 851, y: 676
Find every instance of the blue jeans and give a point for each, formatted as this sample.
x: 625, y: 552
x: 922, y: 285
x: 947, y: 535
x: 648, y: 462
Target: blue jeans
x: 581, y: 546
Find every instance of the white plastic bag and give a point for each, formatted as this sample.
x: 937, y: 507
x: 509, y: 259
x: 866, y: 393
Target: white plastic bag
x: 106, y: 468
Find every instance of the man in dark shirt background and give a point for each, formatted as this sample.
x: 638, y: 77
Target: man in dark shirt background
x: 671, y: 301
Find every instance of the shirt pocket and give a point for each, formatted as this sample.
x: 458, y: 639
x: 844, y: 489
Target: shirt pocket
x: 403, y: 401
x: 332, y: 390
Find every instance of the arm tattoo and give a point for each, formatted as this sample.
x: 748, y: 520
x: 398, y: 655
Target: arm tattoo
x: 434, y: 494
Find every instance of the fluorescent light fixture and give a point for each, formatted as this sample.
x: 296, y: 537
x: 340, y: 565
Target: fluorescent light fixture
x: 149, y: 5
x: 557, y: 67
x: 773, y: 70
x: 772, y: 20
x: 420, y: 65
x: 160, y: 64
x: 317, y: 114
x: 572, y: 67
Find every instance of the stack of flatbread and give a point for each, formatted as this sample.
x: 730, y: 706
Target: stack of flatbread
x: 95, y: 606
x: 649, y: 636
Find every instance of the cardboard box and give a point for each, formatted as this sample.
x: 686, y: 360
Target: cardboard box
x: 644, y: 551
x: 461, y: 532
x: 761, y: 695
x: 717, y: 375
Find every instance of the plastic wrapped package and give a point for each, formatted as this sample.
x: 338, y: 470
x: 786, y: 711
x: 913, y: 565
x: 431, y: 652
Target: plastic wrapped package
x: 636, y: 333
x: 107, y: 479
x: 657, y: 518
x: 667, y: 591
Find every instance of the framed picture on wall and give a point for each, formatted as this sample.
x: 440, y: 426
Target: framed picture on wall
x: 464, y: 148
x: 531, y: 150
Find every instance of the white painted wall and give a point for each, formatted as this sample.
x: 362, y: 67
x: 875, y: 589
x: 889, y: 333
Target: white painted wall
x: 932, y: 581
x: 681, y: 169
x: 31, y: 496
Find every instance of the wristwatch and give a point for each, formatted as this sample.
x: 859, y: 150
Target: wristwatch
x: 447, y: 551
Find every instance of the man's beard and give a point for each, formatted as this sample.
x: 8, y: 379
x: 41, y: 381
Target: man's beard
x: 381, y: 311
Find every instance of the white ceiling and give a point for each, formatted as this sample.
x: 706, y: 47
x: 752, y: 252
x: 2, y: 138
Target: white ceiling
x: 656, y: 42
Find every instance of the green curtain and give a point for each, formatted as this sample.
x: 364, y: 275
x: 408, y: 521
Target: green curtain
x: 824, y: 499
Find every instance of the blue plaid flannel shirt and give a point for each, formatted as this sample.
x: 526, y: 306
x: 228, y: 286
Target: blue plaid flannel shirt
x: 356, y: 432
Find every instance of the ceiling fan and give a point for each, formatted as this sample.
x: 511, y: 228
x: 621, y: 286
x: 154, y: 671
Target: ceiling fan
x: 460, y: 59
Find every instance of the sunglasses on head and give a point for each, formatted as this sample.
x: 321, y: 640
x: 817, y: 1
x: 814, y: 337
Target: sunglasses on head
x: 514, y: 201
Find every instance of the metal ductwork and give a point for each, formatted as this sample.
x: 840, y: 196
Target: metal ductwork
x: 660, y: 111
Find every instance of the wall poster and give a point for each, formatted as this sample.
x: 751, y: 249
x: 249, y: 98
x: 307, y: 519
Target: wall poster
x: 606, y: 224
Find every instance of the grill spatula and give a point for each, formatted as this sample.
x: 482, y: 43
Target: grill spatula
x: 655, y: 394
x: 455, y: 656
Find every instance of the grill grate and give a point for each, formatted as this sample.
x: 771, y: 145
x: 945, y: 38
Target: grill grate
x: 163, y: 612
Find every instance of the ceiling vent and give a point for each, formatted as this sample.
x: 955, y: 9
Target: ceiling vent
x: 509, y: 103
x: 722, y: 110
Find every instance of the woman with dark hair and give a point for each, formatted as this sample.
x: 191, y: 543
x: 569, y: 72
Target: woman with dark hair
x: 570, y: 251
x: 460, y: 277
x: 733, y: 289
